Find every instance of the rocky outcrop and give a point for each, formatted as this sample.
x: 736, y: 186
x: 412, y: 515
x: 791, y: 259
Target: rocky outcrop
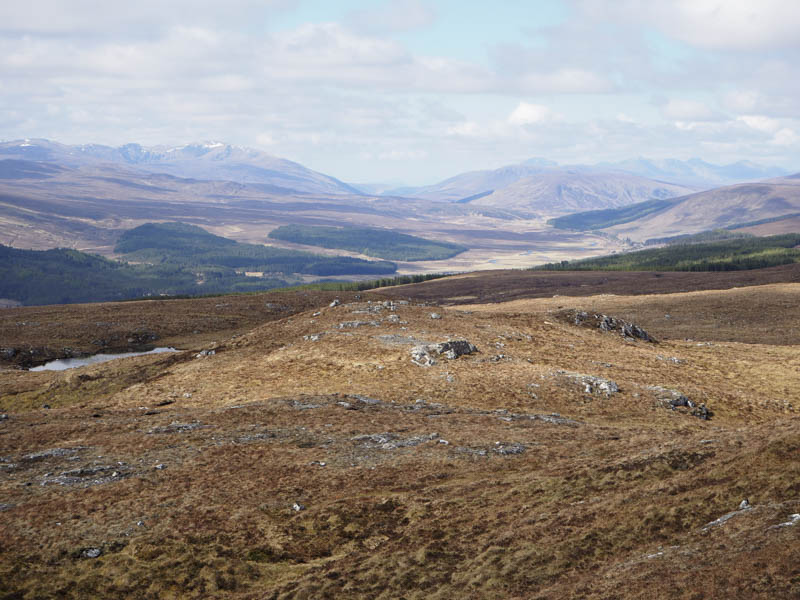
x: 629, y: 331
x: 424, y: 354
x: 677, y: 401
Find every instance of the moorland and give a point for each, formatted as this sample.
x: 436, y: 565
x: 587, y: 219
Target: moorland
x: 319, y: 444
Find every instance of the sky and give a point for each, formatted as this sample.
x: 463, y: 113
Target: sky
x: 410, y: 91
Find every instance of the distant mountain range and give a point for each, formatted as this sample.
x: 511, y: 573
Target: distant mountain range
x: 543, y: 185
x: 84, y: 196
x: 205, y: 161
x: 772, y: 205
x: 695, y: 172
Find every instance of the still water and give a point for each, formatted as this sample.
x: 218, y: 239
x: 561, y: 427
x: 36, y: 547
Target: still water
x: 63, y: 364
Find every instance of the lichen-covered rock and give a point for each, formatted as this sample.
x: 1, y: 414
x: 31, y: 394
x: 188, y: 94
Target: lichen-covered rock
x: 629, y: 331
x: 676, y: 400
x: 423, y: 355
x: 591, y: 384
x: 454, y: 348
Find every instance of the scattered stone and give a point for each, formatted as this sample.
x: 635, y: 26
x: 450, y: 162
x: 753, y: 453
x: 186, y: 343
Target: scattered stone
x: 671, y: 359
x: 676, y: 400
x: 319, y: 463
x: 297, y: 507
x: 395, y: 339
x: 176, y: 427
x: 355, y: 324
x: 389, y: 441
x: 508, y: 449
x: 793, y: 520
x: 3, y: 417
x: 52, y: 453
x: 160, y: 467
x: 365, y: 399
x: 274, y: 306
x: 314, y: 337
x: 298, y: 405
x: 4, y: 507
x: 91, y: 552
x: 435, y: 316
x: 375, y: 439
x: 552, y: 418
x: 370, y: 310
x: 743, y: 508
x: 473, y: 451
x: 187, y: 394
x: 88, y: 476
x: 592, y: 384
x: 204, y: 353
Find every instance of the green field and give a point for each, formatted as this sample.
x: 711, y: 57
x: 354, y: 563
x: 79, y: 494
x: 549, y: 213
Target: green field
x: 724, y: 255
x: 381, y: 243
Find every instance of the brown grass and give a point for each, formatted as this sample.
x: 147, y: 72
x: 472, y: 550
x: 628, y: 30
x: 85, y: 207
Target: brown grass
x: 611, y: 505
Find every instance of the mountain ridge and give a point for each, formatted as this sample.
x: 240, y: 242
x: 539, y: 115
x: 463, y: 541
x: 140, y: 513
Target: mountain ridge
x: 204, y: 161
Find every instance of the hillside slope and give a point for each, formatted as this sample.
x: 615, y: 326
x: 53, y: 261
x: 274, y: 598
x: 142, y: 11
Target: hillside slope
x: 557, y: 192
x: 314, y: 455
x: 543, y: 187
x: 721, y: 207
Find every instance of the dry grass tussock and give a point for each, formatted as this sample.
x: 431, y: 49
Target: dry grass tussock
x: 309, y: 457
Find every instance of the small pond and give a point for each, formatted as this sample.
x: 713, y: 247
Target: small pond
x: 63, y: 364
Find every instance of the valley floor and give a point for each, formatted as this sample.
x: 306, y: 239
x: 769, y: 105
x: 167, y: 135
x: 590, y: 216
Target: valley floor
x: 296, y: 449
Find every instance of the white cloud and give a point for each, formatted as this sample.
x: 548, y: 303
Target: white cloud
x: 327, y: 93
x: 722, y: 24
x: 394, y: 15
x: 688, y: 110
x: 567, y: 80
x: 403, y: 155
x: 785, y: 137
x: 530, y: 114
x: 466, y: 129
x: 760, y: 123
x: 101, y: 18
